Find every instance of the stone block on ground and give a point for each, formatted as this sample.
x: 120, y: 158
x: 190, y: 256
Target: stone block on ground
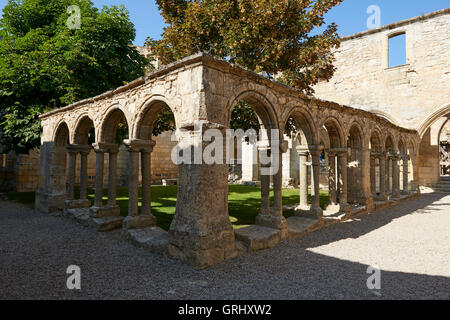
x: 152, y: 239
x: 258, y: 237
x: 298, y: 226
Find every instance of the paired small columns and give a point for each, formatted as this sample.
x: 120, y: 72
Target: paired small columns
x: 389, y: 168
x: 100, y: 149
x: 304, y: 152
x: 73, y: 151
x: 144, y: 149
x: 272, y: 217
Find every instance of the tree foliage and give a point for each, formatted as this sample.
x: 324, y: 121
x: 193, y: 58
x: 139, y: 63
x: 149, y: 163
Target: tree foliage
x: 46, y: 65
x: 278, y: 37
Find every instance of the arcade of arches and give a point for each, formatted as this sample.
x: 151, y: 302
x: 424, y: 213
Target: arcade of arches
x: 370, y: 161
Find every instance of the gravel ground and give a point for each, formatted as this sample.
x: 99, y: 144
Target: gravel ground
x: 409, y: 242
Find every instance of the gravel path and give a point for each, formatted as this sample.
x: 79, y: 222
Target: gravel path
x: 410, y: 243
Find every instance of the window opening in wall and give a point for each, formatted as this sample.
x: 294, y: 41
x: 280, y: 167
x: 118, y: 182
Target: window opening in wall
x: 397, y: 50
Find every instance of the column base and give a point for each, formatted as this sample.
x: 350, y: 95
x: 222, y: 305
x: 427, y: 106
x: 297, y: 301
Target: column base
x: 76, y: 204
x: 49, y: 202
x: 272, y: 221
x: 317, y: 211
x: 301, y: 210
x: 345, y: 208
x: 139, y: 222
x: 107, y: 211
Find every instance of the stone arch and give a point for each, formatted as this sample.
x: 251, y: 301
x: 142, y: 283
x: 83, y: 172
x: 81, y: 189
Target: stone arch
x: 309, y: 133
x: 335, y: 132
x: 376, y: 141
x: 108, y: 127
x: 261, y: 105
x: 389, y: 144
x: 83, y: 125
x: 355, y: 144
x: 442, y: 111
x: 146, y: 116
x: 385, y: 116
x: 61, y: 136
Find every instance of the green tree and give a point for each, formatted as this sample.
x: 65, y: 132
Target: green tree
x: 277, y: 37
x: 44, y: 64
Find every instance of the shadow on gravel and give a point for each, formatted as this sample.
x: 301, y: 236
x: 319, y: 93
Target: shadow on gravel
x: 36, y: 250
x: 364, y: 224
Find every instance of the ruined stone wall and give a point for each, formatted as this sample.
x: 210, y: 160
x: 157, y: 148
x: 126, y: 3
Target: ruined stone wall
x: 406, y: 94
x: 414, y: 95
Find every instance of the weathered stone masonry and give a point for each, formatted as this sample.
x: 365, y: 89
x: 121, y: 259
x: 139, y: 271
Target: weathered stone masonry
x: 362, y: 148
x: 415, y: 95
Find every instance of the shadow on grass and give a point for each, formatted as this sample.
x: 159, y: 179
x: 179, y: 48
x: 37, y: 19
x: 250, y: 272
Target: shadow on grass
x: 243, y: 202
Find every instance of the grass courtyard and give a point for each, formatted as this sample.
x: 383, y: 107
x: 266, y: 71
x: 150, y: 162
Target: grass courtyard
x: 243, y: 202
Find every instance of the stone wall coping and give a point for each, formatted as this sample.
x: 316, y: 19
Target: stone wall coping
x: 207, y: 60
x: 397, y: 24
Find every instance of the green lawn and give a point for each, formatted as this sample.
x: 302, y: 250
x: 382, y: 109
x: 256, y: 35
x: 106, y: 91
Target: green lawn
x: 243, y: 202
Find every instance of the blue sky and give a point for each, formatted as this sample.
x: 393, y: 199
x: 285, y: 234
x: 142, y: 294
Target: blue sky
x: 351, y: 15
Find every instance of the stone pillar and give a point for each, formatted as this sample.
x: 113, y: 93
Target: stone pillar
x: 342, y: 181
x: 84, y: 174
x: 265, y: 181
x: 146, y: 219
x: 332, y: 181
x: 303, y: 153
x: 99, y: 172
x: 274, y: 217
x: 388, y: 175
x: 405, y: 159
x: 71, y: 174
x: 111, y: 209
x: 83, y: 202
x: 383, y: 188
x: 315, y: 152
x: 201, y: 233
x: 146, y: 182
x: 395, y: 177
x: 112, y: 177
x: 373, y: 184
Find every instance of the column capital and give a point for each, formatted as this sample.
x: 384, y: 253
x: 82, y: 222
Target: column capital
x: 79, y: 148
x: 405, y: 157
x: 339, y: 151
x: 302, y: 150
x: 104, y: 147
x: 138, y: 145
x: 394, y: 156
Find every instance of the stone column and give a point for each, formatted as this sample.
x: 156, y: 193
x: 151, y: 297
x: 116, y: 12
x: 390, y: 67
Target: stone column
x: 332, y: 177
x: 71, y: 174
x: 274, y: 218
x: 83, y: 202
x: 112, y: 177
x: 383, y: 188
x: 303, y: 153
x: 405, y: 159
x: 388, y: 175
x: 342, y: 181
x: 264, y: 148
x: 201, y: 233
x: 396, y: 177
x: 146, y: 180
x: 84, y: 174
x: 134, y: 220
x: 99, y: 172
x: 373, y: 184
x: 315, y: 152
